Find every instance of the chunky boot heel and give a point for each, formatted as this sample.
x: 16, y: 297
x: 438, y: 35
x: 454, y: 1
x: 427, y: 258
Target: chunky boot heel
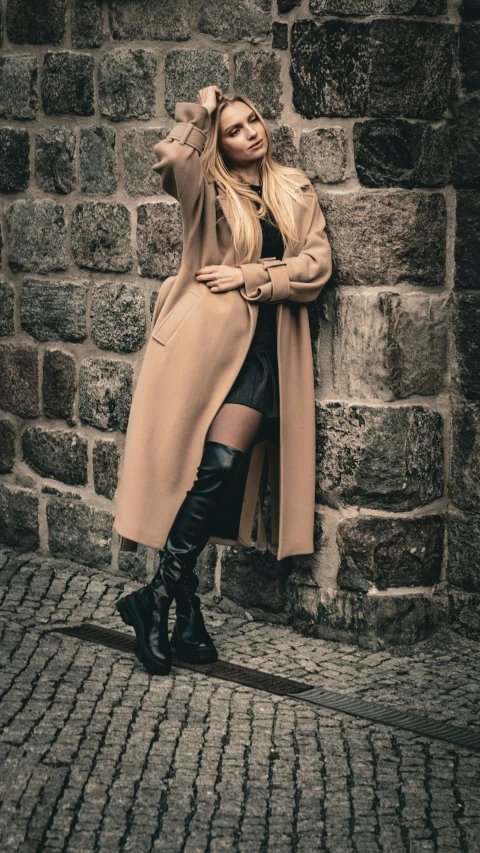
x: 190, y: 640
x: 146, y: 611
x: 122, y: 607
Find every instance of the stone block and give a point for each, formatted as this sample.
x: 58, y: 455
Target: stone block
x: 469, y: 55
x: 463, y: 565
x: 101, y: 236
x: 36, y: 21
x: 467, y: 239
x: 19, y: 518
x: 105, y: 393
x: 323, y: 154
x: 53, y: 310
x: 159, y: 239
x: 56, y: 453
x: 283, y: 145
x: 37, y: 236
x: 279, y: 36
x: 138, y: 160
x: 118, y: 319
x: 257, y: 74
x: 18, y: 87
x: 7, y: 309
x: 387, y: 237
x: 187, y: 71
x: 389, y: 552
x: 377, y: 7
x: 79, y: 532
x: 400, y: 153
x: 59, y: 385
x: 98, y: 160
x: 87, y: 23
x: 464, y: 614
x: 7, y: 446
x: 133, y: 564
x: 466, y: 167
x: 14, y: 160
x: 126, y: 81
x: 387, y: 345
x: 55, y: 159
x: 466, y: 331
x: 285, y: 6
x: 67, y: 84
x: 235, y: 20
x: 383, y: 67
x: 255, y: 579
x: 388, y: 458
x: 106, y: 458
x: 134, y: 20
x: 465, y: 460
x: 19, y: 385
x: 470, y: 9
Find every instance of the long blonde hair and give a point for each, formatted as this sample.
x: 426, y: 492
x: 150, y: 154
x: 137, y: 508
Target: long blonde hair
x: 280, y: 188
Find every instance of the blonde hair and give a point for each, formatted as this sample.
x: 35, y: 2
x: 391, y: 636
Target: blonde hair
x: 281, y: 188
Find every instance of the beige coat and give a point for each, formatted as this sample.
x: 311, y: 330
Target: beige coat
x: 196, y: 348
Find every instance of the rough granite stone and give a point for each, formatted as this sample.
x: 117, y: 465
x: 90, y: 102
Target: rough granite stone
x: 138, y: 161
x: 466, y: 332
x: 101, y: 236
x: 257, y: 74
x: 254, y: 579
x: 469, y: 55
x: 133, y: 564
x: 279, y: 36
x: 7, y: 446
x: 56, y: 453
x: 467, y: 239
x: 19, y: 385
x: 59, y: 385
x: 67, y: 84
x: 36, y: 21
x: 117, y: 316
x: 187, y: 71
x: 466, y: 167
x: 463, y: 564
x: 87, y: 23
x: 106, y: 459
x: 37, y: 236
x: 7, y: 309
x: 14, y: 160
x: 388, y: 458
x: 377, y: 7
x: 79, y: 532
x: 470, y: 9
x: 235, y: 20
x: 134, y: 20
x: 98, y: 161
x: 126, y: 83
x: 464, y: 489
x: 19, y: 518
x: 159, y: 239
x: 285, y: 6
x: 283, y: 145
x: 105, y: 393
x: 323, y: 154
x: 18, y: 87
x: 464, y: 614
x: 55, y: 159
x: 53, y: 310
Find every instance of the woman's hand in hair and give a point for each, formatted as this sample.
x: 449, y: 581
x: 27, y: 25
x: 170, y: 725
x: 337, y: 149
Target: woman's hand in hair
x: 207, y: 97
x: 220, y: 277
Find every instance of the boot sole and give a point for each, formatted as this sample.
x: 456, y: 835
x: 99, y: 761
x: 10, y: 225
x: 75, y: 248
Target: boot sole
x: 129, y: 614
x: 196, y: 656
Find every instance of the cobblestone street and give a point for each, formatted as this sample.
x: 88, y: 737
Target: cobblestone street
x: 99, y: 756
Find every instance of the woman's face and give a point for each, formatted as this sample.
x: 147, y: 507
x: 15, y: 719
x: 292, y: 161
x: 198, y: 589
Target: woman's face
x: 239, y: 129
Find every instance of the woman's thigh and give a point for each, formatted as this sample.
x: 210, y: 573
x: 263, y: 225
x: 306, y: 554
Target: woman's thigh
x: 235, y: 425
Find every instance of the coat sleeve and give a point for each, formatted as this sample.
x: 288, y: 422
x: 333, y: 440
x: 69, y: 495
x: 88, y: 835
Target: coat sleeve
x: 178, y: 154
x: 300, y: 278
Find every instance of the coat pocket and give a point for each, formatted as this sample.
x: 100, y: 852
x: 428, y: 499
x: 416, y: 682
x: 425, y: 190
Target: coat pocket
x: 163, y: 331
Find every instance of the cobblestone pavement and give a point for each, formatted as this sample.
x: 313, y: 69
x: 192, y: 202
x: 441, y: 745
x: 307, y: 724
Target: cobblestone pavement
x: 99, y: 756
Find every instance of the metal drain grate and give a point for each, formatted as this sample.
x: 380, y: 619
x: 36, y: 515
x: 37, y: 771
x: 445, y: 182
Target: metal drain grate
x: 416, y: 723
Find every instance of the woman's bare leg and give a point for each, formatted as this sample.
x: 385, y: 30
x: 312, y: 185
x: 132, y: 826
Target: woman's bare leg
x: 235, y: 425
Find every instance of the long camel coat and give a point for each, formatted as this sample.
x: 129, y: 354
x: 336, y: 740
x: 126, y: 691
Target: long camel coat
x: 197, y: 345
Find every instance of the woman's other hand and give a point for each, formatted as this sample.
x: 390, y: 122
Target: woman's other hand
x: 220, y: 277
x: 207, y: 97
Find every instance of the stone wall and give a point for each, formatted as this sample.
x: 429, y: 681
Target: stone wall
x: 378, y: 102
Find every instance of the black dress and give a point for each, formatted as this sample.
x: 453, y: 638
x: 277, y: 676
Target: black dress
x: 257, y: 382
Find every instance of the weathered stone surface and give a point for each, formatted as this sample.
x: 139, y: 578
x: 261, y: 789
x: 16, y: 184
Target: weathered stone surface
x: 350, y: 68
x: 159, y: 239
x: 18, y: 87
x: 7, y: 446
x: 463, y: 566
x: 87, y: 23
x: 283, y: 145
x: 141, y: 19
x: 469, y: 55
x: 55, y: 159
x: 470, y: 9
x: 57, y: 454
x: 187, y: 71
x: 19, y: 518
x: 67, y: 84
x: 101, y: 236
x: 467, y: 239
x: 466, y: 169
x: 37, y: 236
x: 105, y: 393
x: 7, y: 309
x: 257, y: 74
x: 14, y: 160
x: 205, y: 569
x: 464, y: 614
x: 465, y: 460
x: 379, y: 457
x: 117, y: 317
x: 53, y: 310
x: 387, y: 345
x: 126, y: 81
x: 400, y: 153
x: 279, y: 36
x: 255, y: 579
x: 105, y: 467
x: 133, y: 564
x: 466, y: 330
x: 19, y: 385
x: 377, y: 7
x: 388, y: 552
x: 79, y: 532
x: 285, y: 6
x: 36, y: 21
x: 232, y: 20
x: 323, y: 154
x: 59, y: 385
x: 98, y: 161
x: 139, y: 159
x: 386, y: 238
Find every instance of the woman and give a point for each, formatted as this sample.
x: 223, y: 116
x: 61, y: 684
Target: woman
x: 209, y: 386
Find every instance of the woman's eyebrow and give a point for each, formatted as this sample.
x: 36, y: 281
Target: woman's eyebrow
x: 237, y: 124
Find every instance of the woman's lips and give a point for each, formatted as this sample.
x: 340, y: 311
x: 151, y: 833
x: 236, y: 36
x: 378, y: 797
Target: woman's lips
x: 256, y: 144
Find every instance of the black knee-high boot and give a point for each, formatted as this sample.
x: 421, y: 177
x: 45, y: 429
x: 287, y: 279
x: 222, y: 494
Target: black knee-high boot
x: 147, y: 609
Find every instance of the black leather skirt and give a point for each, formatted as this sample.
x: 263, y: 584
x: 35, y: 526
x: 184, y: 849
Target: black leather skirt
x: 257, y: 382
